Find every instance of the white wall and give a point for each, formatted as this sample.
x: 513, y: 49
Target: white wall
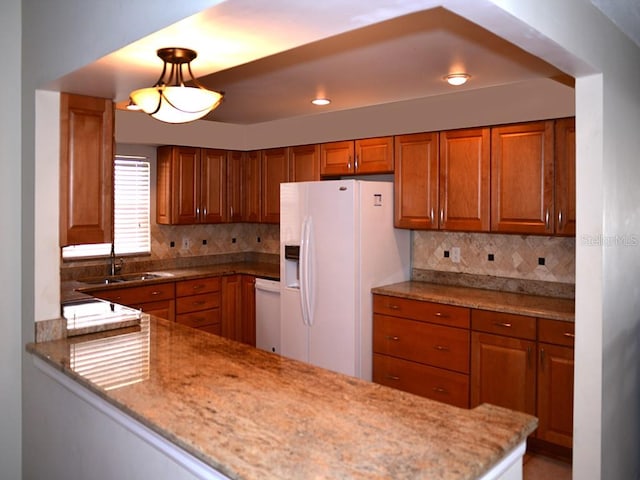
x: 10, y: 336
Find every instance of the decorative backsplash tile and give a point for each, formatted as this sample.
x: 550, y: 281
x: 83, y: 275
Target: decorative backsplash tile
x: 197, y: 240
x: 529, y: 257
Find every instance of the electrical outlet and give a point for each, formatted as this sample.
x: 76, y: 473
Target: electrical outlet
x: 455, y: 254
x: 186, y: 243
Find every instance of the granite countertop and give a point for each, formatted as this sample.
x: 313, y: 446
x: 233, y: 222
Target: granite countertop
x: 507, y: 302
x: 255, y: 415
x: 75, y: 290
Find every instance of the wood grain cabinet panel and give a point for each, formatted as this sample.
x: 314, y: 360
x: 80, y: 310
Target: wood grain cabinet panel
x: 565, y: 176
x: 419, y: 379
x: 86, y: 170
x: 421, y: 342
x: 235, y: 188
x: 251, y: 186
x: 522, y: 178
x: 422, y: 348
x: 353, y: 157
x: 198, y: 303
x: 465, y: 161
x: 275, y: 170
x: 190, y: 185
x: 503, y: 372
x: 304, y: 163
x: 416, y: 181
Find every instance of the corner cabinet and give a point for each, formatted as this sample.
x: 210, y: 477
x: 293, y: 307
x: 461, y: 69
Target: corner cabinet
x: 357, y: 157
x: 191, y: 185
x: 86, y: 170
x: 522, y: 178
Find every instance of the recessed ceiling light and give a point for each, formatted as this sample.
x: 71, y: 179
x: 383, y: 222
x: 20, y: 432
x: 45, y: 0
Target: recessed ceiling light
x: 457, y: 79
x: 321, y: 101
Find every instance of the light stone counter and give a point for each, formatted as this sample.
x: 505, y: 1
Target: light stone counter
x: 497, y: 301
x: 254, y: 415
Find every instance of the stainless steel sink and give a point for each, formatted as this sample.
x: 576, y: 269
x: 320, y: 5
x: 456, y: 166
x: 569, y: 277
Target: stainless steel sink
x: 128, y: 277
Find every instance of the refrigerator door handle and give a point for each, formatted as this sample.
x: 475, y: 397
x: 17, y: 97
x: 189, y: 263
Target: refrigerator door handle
x: 304, y: 270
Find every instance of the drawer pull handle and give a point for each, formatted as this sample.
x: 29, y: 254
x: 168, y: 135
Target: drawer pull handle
x: 155, y: 292
x: 441, y: 348
x: 440, y: 390
x: 502, y: 324
x: 198, y: 303
x: 569, y: 335
x: 441, y: 315
x: 393, y: 337
x: 394, y: 307
x: 392, y: 377
x: 198, y: 287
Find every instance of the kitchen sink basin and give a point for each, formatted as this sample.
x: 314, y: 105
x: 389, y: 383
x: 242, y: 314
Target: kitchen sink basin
x: 128, y: 277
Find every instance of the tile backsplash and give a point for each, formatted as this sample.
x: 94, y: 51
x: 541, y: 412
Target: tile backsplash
x: 528, y: 257
x: 197, y: 240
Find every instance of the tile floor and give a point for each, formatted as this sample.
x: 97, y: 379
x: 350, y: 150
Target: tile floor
x: 538, y: 467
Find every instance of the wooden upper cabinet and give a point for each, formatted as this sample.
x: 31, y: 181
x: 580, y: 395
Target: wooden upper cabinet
x: 190, y: 185
x: 522, y: 178
x: 365, y: 156
x: 304, y: 163
x: 465, y: 162
x: 416, y: 181
x: 251, y: 185
x: 337, y: 158
x: 86, y: 170
x: 565, y: 170
x: 275, y: 170
x: 374, y: 155
x: 234, y: 186
x: 213, y: 186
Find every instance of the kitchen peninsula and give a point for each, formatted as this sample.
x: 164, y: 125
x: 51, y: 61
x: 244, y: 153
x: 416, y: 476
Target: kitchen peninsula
x: 250, y: 414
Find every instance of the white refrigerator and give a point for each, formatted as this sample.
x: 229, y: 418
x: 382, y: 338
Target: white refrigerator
x: 337, y: 241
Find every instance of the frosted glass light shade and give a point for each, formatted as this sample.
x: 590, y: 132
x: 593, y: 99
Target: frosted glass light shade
x: 176, y: 104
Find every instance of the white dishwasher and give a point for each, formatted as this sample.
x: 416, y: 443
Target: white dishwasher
x: 268, y: 315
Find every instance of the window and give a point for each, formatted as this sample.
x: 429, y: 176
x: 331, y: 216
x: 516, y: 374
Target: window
x: 131, y: 216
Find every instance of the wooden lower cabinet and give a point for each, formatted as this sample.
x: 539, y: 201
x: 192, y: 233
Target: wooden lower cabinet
x: 238, y: 308
x: 157, y: 299
x: 503, y: 372
x: 466, y: 357
x: 417, y: 378
x: 198, y: 304
x: 555, y: 382
x: 417, y: 350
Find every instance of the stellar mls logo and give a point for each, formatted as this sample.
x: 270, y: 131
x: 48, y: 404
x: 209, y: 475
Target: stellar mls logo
x: 600, y: 240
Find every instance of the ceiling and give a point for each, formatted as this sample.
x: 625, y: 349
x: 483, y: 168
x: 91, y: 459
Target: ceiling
x: 272, y: 58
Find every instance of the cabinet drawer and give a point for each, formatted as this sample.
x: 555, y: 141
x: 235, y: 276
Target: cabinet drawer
x: 434, y: 345
x: 556, y: 331
x: 215, y: 328
x: 199, y: 285
x: 423, y: 311
x: 137, y: 295
x: 200, y: 319
x: 518, y: 326
x: 435, y: 383
x: 196, y: 303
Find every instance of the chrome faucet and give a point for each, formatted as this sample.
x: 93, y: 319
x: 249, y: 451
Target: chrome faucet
x: 114, y: 265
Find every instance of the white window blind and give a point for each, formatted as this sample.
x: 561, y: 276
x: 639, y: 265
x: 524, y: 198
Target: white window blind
x: 132, y: 180
x: 131, y: 216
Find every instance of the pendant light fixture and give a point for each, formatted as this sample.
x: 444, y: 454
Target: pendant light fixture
x: 170, y: 100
